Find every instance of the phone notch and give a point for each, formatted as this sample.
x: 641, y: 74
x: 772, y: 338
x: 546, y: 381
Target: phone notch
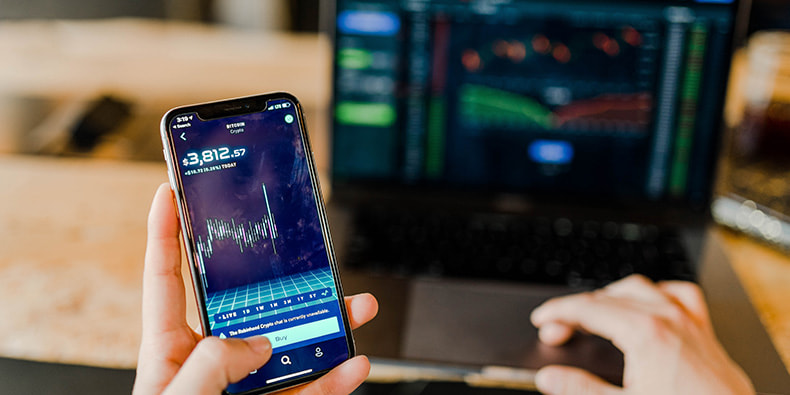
x: 231, y: 108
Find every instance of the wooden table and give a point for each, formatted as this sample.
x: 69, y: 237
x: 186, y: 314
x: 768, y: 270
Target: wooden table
x: 765, y: 275
x: 72, y: 236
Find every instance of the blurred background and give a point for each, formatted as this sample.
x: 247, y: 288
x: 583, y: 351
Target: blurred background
x: 83, y: 86
x: 93, y: 78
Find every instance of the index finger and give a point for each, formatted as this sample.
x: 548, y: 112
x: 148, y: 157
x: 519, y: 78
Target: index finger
x: 595, y: 312
x: 164, y: 303
x: 690, y: 297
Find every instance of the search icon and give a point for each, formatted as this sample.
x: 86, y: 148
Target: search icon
x: 285, y: 360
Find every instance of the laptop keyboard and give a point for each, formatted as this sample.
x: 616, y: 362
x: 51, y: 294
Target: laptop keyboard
x: 522, y: 249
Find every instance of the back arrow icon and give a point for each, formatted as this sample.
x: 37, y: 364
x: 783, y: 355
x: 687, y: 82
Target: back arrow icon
x: 182, y: 136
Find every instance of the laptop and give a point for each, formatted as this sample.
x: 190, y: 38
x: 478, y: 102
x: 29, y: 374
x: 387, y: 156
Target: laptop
x: 488, y: 155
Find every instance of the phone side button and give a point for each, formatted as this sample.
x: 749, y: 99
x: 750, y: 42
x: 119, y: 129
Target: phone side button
x: 171, y: 179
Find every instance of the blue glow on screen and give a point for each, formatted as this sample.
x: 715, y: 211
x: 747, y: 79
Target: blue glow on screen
x: 551, y: 152
x: 370, y: 23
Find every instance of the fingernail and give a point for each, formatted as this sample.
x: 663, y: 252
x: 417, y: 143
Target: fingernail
x: 260, y: 344
x: 550, y: 333
x: 545, y: 381
x: 535, y: 316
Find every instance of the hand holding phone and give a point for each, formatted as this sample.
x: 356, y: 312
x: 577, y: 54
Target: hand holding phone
x: 168, y: 341
x: 256, y: 237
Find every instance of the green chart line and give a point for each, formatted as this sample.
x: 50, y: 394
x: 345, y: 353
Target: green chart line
x: 496, y: 106
x: 688, y: 110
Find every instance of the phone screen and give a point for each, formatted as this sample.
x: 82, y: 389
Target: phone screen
x: 259, y: 243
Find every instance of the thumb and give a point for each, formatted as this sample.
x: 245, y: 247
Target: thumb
x: 215, y: 363
x: 561, y: 380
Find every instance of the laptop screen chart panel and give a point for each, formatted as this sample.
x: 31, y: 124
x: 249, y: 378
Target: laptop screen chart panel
x: 611, y: 100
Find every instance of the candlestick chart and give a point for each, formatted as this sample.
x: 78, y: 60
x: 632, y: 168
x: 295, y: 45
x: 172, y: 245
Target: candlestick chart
x: 245, y: 234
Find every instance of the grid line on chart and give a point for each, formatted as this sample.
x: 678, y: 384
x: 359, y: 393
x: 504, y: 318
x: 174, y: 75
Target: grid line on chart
x: 269, y: 290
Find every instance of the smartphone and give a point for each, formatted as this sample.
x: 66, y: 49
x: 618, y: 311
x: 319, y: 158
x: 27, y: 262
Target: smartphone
x: 256, y: 234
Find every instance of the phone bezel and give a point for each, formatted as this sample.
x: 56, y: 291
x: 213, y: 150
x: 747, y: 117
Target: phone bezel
x: 229, y: 108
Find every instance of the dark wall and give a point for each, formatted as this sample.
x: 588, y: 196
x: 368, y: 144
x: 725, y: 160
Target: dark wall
x: 304, y: 15
x: 82, y: 9
x: 766, y: 14
x: 769, y: 14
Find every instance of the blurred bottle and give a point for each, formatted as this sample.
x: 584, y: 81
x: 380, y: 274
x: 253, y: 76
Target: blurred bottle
x: 763, y: 135
x: 754, y: 192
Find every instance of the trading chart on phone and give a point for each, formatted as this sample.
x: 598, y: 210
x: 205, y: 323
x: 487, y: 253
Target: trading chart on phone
x: 255, y: 227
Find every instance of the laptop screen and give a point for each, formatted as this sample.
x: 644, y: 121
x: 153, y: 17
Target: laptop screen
x: 604, y: 100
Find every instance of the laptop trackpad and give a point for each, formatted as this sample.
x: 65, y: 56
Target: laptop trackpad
x: 475, y: 323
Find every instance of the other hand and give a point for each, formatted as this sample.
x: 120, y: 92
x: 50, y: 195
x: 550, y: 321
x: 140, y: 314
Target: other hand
x: 663, y: 330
